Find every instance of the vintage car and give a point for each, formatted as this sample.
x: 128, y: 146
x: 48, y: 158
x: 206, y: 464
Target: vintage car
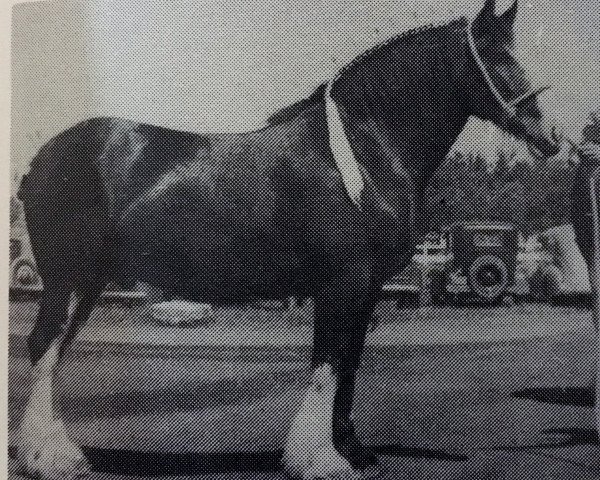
x: 480, y: 264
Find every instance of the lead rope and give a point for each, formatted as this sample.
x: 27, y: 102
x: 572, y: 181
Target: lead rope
x: 341, y: 150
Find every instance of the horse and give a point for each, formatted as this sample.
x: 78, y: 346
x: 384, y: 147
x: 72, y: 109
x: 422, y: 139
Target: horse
x: 319, y: 203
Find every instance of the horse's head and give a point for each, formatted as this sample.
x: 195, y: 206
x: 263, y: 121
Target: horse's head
x: 498, y: 87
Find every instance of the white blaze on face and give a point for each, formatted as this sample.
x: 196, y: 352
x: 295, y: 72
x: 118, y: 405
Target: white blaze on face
x: 44, y: 449
x: 309, y: 451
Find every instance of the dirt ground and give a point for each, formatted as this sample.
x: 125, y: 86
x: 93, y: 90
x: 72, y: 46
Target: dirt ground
x: 505, y: 396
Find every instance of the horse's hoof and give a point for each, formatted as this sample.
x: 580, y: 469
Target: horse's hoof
x: 360, y: 456
x: 53, y: 457
x: 370, y: 473
x: 345, y: 474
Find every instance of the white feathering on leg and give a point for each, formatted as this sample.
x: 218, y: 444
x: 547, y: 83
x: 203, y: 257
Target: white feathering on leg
x: 309, y: 452
x: 45, y: 450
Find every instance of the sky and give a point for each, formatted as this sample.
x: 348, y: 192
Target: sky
x: 226, y: 65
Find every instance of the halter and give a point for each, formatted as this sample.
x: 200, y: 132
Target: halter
x: 341, y: 149
x: 510, y: 107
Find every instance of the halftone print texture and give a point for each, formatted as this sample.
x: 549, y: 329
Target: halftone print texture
x: 311, y: 240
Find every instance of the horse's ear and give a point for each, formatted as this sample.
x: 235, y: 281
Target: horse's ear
x: 484, y: 22
x: 487, y: 15
x: 506, y: 21
x: 487, y: 24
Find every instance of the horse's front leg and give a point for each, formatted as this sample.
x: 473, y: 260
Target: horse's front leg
x: 321, y: 442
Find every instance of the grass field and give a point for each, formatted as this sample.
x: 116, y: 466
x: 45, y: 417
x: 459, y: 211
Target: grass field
x: 279, y: 331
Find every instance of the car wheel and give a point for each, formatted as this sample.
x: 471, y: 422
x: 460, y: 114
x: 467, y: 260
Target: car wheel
x: 488, y: 278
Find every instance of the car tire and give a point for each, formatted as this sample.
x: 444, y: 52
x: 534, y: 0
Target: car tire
x: 488, y: 278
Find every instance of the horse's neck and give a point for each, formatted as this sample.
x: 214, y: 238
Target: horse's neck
x: 400, y: 155
x: 427, y: 119
x: 406, y: 151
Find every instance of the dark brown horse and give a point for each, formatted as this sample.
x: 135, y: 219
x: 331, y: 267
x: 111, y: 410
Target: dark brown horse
x: 268, y: 213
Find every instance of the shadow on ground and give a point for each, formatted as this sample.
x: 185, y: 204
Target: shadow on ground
x: 558, y: 438
x: 156, y: 464
x: 572, y: 396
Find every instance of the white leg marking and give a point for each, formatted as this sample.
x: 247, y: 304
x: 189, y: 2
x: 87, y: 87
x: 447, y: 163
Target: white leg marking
x: 73, y: 305
x: 309, y: 452
x: 45, y: 450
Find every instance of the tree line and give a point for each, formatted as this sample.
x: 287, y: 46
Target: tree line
x: 533, y: 194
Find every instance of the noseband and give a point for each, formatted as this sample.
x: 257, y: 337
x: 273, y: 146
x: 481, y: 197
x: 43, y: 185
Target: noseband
x: 509, y: 106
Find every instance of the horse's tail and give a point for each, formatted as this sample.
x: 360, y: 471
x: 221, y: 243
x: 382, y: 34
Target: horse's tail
x: 65, y: 203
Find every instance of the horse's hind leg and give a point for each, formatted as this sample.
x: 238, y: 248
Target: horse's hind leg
x: 67, y: 216
x: 45, y: 450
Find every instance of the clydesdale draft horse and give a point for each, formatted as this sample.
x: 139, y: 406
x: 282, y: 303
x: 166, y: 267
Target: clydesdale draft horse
x: 319, y: 203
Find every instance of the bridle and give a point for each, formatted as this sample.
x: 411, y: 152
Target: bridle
x: 509, y: 106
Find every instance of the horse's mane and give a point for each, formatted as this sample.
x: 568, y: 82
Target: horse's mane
x: 428, y: 33
x: 292, y: 111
